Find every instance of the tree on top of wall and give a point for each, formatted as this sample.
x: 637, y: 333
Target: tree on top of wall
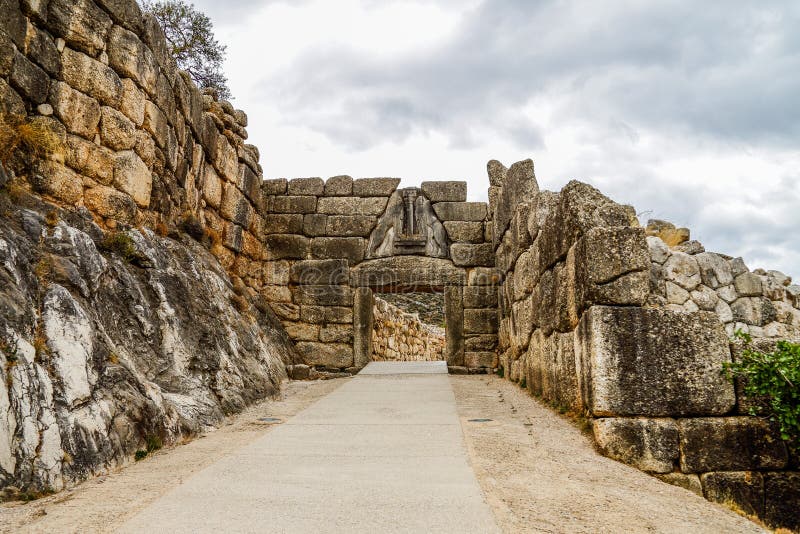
x: 192, y: 43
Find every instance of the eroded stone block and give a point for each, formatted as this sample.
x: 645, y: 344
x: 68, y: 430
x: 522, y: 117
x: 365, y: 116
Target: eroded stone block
x: 647, y: 444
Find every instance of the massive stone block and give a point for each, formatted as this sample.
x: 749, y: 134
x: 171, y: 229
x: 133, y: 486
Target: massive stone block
x: 445, y: 191
x: 745, y: 489
x: 79, y: 113
x: 460, y: 211
x: 657, y: 363
x: 350, y: 248
x: 351, y: 205
x: 349, y: 225
x: 283, y: 223
x: 480, y: 321
x: 782, y: 492
x: 52, y: 178
x: 306, y: 186
x: 375, y: 187
x: 131, y: 58
x: 730, y: 444
x: 81, y: 23
x: 454, y: 331
x: 294, y: 204
x: 91, y: 77
x: 363, y: 301
x: 132, y: 176
x: 29, y: 79
x: 408, y: 271
x: 468, y: 255
x: 287, y: 246
x: 108, y: 202
x: 339, y: 186
x: 320, y: 272
x: 326, y: 354
x: 480, y: 297
x: 465, y: 231
x: 322, y: 295
x: 647, y: 444
x: 116, y: 130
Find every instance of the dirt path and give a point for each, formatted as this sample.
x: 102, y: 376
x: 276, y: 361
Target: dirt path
x: 103, y: 503
x: 540, y: 474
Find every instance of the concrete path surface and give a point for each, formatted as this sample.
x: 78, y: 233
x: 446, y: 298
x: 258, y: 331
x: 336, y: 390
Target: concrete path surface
x: 383, y: 453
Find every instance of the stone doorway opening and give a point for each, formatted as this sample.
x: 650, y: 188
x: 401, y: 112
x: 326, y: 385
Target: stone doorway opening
x: 408, y: 326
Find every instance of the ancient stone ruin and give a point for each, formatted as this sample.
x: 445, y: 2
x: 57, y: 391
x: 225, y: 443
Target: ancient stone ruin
x: 151, y: 281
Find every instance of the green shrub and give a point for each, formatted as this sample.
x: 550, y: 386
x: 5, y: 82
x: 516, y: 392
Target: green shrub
x: 120, y: 243
x: 772, y: 381
x: 140, y: 455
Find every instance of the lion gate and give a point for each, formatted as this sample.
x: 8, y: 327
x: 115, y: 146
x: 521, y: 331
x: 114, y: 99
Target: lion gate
x: 331, y: 244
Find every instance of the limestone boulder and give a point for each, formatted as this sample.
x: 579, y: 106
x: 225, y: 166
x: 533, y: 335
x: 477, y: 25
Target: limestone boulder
x: 682, y: 269
x: 336, y: 355
x: 745, y: 489
x: 306, y: 186
x: 655, y: 363
x: 58, y: 181
x: 29, y: 79
x: 730, y: 444
x: 116, y: 130
x: 81, y: 23
x: 648, y: 444
x: 748, y: 285
x: 375, y: 187
x: 108, y: 202
x: 445, y: 191
x: 132, y: 176
x: 338, y: 186
x: 91, y: 77
x: 79, y: 113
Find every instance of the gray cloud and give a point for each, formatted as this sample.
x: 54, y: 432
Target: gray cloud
x: 727, y: 70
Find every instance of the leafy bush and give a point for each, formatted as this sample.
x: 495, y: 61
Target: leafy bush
x: 120, y: 243
x: 772, y: 381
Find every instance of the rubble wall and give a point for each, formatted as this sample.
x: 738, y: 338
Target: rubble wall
x: 602, y: 320
x: 401, y: 336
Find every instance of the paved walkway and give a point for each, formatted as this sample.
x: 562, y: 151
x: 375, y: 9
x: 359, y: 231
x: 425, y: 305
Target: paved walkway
x: 383, y: 453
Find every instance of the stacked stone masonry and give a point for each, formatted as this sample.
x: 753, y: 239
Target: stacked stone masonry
x: 401, y: 336
x: 631, y: 327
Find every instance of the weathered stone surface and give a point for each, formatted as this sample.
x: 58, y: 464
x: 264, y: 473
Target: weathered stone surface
x: 483, y: 276
x: 518, y: 184
x: 647, y: 444
x: 659, y: 251
x: 748, y: 285
x: 32, y: 82
x: 91, y: 77
x: 125, y: 12
x: 338, y: 355
x: 465, y: 231
x: 320, y: 272
x: 132, y: 103
x: 79, y: 113
x: 683, y: 269
x: 667, y: 232
x: 636, y: 361
x: 116, y: 130
x: 445, y: 191
x: 480, y: 297
x: 375, y: 187
x: 302, y: 331
x: 249, y: 183
x: 275, y: 186
x: 756, y: 311
x: 730, y: 444
x: 132, y: 59
x: 688, y: 482
x: 349, y: 225
x: 314, y: 224
x: 349, y: 248
x: 235, y: 207
x: 715, y: 270
x: 325, y: 295
x: 745, y: 489
x: 132, y: 176
x: 782, y: 492
x: 294, y: 204
x: 480, y: 321
x: 481, y: 342
x: 283, y: 246
x: 460, y: 211
x: 90, y: 159
x: 339, y: 186
x: 476, y: 360
x: 454, y: 328
x: 363, y: 316
x: 705, y: 298
x: 326, y: 314
x: 283, y: 223
x: 468, y: 255
x: 336, y: 333
x: 408, y: 272
x: 57, y: 181
x: 80, y: 22
x: 306, y: 186
x: 108, y: 202
x: 351, y: 205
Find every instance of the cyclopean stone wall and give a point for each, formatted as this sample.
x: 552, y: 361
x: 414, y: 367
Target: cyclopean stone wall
x: 686, y: 278
x: 139, y: 144
x: 330, y: 243
x: 118, y: 331
x: 593, y: 320
x: 401, y: 336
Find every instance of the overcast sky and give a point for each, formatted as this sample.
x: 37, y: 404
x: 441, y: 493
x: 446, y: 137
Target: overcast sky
x: 688, y: 110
